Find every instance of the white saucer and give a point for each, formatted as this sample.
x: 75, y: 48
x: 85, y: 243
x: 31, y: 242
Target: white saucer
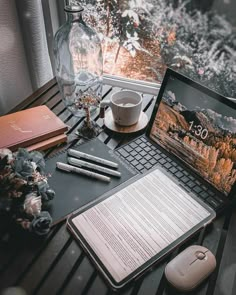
x: 140, y: 125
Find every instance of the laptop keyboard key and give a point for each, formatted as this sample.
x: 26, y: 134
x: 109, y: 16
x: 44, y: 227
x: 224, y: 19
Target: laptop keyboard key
x: 138, y: 149
x: 123, y: 153
x: 203, y: 195
x: 153, y: 161
x: 133, y: 153
x: 148, y: 166
x: 148, y: 149
x: 148, y: 157
x: 143, y: 153
x: 155, y: 149
x: 128, y: 148
x: 184, y: 179
x: 152, y: 153
x: 134, y: 145
x: 197, y: 189
x: 138, y: 157
x: 220, y: 201
x: 204, y: 187
x: 142, y: 145
x: 190, y: 184
x: 162, y: 161
x: 135, y: 163
x: 167, y: 165
x: 130, y: 158
x: 211, y: 193
x: 173, y: 170
x: 186, y: 172
x: 179, y: 174
x: 213, y: 202
x: 157, y: 157
x: 138, y: 141
x: 139, y: 167
x: 143, y: 161
x: 169, y: 159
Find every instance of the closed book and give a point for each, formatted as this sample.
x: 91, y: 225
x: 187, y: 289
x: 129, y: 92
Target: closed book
x: 25, y: 128
x: 47, y: 143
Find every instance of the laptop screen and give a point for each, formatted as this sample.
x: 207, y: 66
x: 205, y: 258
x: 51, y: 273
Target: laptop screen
x: 199, y: 127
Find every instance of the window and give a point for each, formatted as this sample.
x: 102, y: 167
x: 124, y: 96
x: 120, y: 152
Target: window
x: 141, y: 38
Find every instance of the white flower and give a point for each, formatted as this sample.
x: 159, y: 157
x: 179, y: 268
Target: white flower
x: 131, y: 44
x: 131, y: 14
x: 32, y: 204
x: 141, y: 4
x: 34, y: 165
x: 6, y: 152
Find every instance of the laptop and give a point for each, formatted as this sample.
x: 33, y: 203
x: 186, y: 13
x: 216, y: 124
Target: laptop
x: 186, y: 174
x: 192, y: 135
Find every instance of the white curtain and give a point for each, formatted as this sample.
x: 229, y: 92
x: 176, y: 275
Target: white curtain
x: 24, y: 57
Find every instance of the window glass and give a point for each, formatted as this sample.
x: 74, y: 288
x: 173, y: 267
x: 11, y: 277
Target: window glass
x: 141, y: 38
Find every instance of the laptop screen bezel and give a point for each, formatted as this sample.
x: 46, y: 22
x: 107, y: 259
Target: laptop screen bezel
x: 199, y: 87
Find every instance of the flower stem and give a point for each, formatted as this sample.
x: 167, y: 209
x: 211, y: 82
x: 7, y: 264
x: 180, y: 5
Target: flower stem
x: 88, y: 116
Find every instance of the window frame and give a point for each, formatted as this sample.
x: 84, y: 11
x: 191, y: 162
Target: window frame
x: 117, y: 81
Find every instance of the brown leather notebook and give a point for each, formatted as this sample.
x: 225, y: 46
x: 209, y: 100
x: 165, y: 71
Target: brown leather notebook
x: 25, y: 128
x: 47, y: 143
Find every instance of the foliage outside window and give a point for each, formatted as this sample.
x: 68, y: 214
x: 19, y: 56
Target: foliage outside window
x: 141, y: 38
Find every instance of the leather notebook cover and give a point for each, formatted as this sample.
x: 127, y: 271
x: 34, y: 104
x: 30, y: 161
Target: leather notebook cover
x: 74, y: 190
x: 24, y: 128
x: 47, y: 143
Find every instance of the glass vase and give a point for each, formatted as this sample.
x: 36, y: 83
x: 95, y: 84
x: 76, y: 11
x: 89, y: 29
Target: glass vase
x: 78, y: 63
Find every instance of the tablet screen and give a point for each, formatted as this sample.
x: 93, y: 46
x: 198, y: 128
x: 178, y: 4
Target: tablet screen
x: 138, y: 224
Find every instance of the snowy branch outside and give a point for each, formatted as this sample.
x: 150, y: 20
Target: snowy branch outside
x: 142, y: 38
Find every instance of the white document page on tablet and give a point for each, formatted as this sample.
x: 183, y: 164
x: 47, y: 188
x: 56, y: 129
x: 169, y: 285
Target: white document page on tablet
x: 133, y: 225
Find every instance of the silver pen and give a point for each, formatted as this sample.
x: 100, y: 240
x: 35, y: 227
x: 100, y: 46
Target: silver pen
x: 80, y: 163
x: 78, y: 154
x: 70, y: 168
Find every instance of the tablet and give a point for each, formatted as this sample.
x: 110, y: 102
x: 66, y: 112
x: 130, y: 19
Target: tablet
x: 135, y: 225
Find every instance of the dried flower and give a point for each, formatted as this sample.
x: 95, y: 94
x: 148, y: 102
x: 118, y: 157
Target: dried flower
x: 6, y: 154
x: 23, y: 167
x: 200, y: 71
x: 41, y: 223
x: 24, y: 189
x: 32, y: 204
x: 25, y: 223
x: 171, y: 38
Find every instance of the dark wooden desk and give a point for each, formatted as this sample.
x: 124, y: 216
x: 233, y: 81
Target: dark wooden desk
x: 57, y: 265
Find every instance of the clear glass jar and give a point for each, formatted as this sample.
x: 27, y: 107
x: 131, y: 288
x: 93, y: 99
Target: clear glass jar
x: 78, y: 63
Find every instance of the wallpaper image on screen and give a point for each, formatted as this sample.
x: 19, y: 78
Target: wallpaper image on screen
x: 199, y: 130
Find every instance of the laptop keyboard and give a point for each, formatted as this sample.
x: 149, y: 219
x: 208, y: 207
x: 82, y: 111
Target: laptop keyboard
x: 143, y: 155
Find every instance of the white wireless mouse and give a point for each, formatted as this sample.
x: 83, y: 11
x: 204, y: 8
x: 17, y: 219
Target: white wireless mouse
x: 188, y: 269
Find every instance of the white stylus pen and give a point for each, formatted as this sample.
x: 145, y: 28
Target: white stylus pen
x: 78, y: 154
x: 80, y: 163
x: 70, y: 168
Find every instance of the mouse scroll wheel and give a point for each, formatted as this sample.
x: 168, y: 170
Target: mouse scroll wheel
x: 200, y: 255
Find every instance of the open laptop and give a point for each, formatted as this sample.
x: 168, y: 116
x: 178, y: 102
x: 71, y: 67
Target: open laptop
x: 192, y: 135
x: 133, y: 226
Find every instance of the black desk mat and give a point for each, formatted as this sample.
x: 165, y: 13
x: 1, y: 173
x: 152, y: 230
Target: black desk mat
x: 74, y: 190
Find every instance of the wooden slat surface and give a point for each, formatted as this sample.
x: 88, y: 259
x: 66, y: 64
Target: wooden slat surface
x: 56, y: 264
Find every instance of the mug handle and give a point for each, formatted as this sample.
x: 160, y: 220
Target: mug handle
x: 103, y: 104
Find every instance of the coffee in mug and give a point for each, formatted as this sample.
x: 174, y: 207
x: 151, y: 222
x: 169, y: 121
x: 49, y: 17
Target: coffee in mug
x: 126, y: 107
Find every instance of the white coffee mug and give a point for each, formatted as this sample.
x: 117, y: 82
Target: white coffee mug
x: 126, y: 107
